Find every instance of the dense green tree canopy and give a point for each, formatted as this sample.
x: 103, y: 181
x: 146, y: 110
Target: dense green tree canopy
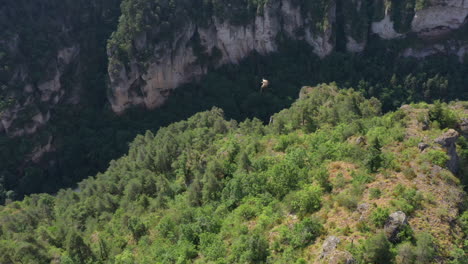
x: 211, y: 190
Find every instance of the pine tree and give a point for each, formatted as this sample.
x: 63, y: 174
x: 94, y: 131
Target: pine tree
x: 375, y: 159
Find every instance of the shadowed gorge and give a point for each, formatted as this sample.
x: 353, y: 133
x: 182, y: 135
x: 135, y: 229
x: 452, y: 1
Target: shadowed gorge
x: 75, y: 142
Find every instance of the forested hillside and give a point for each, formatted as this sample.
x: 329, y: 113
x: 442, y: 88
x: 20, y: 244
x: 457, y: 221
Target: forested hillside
x: 329, y: 180
x: 135, y: 131
x: 86, y: 138
x: 63, y: 66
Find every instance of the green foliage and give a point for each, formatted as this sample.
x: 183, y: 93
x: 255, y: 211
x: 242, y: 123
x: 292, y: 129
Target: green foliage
x: 302, y: 233
x: 374, y: 159
x: 250, y: 249
x: 76, y: 247
x: 321, y: 177
x: 407, y: 200
x: 463, y: 153
x: 379, y: 216
x: 436, y: 157
x: 405, y: 234
x: 139, y: 18
x: 402, y: 12
x: 210, y: 190
x: 405, y: 253
x: 441, y: 114
x: 249, y: 209
x: 282, y: 178
x: 137, y: 228
x: 378, y: 249
x: 463, y: 221
x: 125, y: 257
x: 409, y: 173
x: 424, y: 250
x: 348, y: 199
x: 305, y: 201
x: 421, y: 4
x: 310, y: 112
x: 94, y: 125
x: 375, y: 193
x: 212, y: 246
x: 458, y: 256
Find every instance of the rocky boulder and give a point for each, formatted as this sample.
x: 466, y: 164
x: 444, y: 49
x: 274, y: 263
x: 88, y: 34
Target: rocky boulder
x: 422, y: 146
x: 394, y: 225
x: 447, y: 141
x: 331, y: 255
x: 439, y: 17
x: 360, y: 140
x: 341, y: 257
x: 464, y: 127
x: 329, y: 245
x: 362, y: 208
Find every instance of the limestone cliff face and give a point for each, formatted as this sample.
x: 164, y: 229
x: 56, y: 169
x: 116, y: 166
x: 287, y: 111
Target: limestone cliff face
x: 37, y: 97
x: 176, y: 62
x: 46, y: 49
x: 433, y: 19
x: 194, y: 47
x: 385, y: 28
x: 440, y: 16
x: 448, y: 142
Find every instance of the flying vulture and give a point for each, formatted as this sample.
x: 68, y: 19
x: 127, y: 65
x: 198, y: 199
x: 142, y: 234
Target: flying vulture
x: 265, y: 84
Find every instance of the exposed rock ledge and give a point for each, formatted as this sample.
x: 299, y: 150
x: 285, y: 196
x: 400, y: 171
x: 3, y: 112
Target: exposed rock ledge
x: 175, y: 63
x: 440, y: 18
x: 151, y: 87
x: 385, y: 29
x: 49, y: 91
x: 447, y: 141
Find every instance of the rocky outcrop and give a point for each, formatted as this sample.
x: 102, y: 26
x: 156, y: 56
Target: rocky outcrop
x: 448, y: 141
x: 360, y: 140
x: 455, y: 48
x: 46, y: 53
x: 385, y: 28
x: 440, y: 17
x: 29, y: 114
x: 464, y: 127
x: 39, y: 151
x: 394, y: 225
x: 226, y: 42
x: 354, y: 46
x: 362, y: 208
x: 176, y: 62
x: 423, y: 146
x: 331, y: 255
x: 329, y: 245
x: 157, y: 65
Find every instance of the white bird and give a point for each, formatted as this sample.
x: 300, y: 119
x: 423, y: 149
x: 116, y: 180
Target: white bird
x: 265, y: 84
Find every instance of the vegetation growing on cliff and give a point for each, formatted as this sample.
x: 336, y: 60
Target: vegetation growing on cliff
x: 210, y: 190
x: 379, y: 73
x: 160, y: 20
x: 402, y: 13
x: 33, y: 32
x: 141, y: 16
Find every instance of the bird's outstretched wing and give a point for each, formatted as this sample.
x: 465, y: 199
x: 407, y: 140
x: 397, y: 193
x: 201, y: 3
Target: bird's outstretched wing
x: 265, y: 84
